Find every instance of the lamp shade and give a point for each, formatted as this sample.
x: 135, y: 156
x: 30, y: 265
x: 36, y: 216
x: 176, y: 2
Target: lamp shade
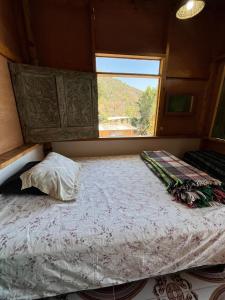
x: 189, y: 8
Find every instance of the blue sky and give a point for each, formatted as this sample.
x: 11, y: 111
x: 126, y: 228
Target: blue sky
x: 120, y: 65
x: 140, y: 83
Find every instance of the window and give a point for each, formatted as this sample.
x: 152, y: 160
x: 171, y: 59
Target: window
x: 128, y: 90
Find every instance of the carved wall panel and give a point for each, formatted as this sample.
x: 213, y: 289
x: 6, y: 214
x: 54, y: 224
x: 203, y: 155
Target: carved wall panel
x: 79, y: 102
x: 40, y: 101
x: 55, y: 105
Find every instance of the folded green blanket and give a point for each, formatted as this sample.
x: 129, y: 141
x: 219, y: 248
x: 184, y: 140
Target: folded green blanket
x: 186, y: 183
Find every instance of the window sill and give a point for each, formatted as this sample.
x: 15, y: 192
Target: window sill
x: 139, y: 138
x: 216, y: 140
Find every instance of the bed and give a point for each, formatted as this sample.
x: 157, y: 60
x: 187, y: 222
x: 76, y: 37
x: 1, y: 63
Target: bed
x: 123, y: 227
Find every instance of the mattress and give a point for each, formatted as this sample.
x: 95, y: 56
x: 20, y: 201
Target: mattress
x: 123, y: 227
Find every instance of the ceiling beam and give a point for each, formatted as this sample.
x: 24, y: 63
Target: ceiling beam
x: 32, y: 50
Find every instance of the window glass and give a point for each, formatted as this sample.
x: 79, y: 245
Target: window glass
x: 127, y: 106
x: 125, y: 65
x: 127, y: 102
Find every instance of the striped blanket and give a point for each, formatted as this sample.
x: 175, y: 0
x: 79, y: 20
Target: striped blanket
x: 186, y: 183
x: 208, y: 161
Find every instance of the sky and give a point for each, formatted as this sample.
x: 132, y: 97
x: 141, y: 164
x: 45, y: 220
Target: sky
x: 120, y: 65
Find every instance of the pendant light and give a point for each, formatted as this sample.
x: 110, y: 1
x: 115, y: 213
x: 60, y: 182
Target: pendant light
x: 189, y: 8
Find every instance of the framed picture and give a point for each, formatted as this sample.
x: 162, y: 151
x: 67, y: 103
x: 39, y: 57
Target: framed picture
x: 179, y: 104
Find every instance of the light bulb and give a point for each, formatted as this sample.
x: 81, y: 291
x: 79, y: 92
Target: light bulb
x: 189, y: 8
x: 190, y: 4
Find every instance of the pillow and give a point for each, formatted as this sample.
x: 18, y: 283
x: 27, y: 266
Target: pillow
x: 56, y: 175
x: 13, y: 184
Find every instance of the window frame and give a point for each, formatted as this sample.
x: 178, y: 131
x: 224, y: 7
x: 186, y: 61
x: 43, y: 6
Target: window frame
x: 136, y: 75
x: 221, y: 82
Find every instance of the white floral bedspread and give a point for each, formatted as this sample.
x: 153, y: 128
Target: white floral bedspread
x: 123, y: 227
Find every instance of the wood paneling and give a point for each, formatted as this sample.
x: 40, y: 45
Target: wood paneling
x: 62, y: 33
x: 218, y: 17
x: 65, y: 32
x: 68, y: 33
x: 9, y: 39
x: 212, y: 95
x: 132, y: 27
x: 28, y: 31
x: 183, y: 125
x: 190, y: 47
x: 213, y: 144
x: 10, y: 132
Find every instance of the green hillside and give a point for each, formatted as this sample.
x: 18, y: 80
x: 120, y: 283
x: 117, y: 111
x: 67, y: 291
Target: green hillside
x: 117, y: 98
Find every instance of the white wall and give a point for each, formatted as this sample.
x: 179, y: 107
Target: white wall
x: 34, y: 155
x: 177, y: 146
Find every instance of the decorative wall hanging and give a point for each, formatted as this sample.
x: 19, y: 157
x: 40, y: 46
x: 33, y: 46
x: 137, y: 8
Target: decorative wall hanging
x: 55, y: 105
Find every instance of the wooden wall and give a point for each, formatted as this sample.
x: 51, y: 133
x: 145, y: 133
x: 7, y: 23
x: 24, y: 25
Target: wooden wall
x: 10, y: 46
x: 218, y: 62
x: 68, y: 33
x: 62, y: 33
x: 131, y: 27
x: 213, y: 144
x: 188, y: 68
x: 218, y: 20
x: 10, y: 132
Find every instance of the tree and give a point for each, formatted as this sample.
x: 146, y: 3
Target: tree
x: 146, y: 105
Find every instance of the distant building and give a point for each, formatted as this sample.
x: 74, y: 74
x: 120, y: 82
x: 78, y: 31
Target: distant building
x: 117, y: 126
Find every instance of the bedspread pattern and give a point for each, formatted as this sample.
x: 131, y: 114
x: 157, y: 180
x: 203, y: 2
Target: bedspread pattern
x: 123, y: 227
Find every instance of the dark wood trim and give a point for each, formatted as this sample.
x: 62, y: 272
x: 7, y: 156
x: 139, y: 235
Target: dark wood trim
x: 93, y: 34
x: 217, y: 102
x: 21, y: 31
x: 29, y: 32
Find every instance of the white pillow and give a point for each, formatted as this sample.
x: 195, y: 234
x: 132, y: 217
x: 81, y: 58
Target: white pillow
x: 56, y: 175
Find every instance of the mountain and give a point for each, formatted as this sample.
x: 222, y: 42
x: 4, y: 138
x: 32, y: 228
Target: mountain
x: 116, y: 98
